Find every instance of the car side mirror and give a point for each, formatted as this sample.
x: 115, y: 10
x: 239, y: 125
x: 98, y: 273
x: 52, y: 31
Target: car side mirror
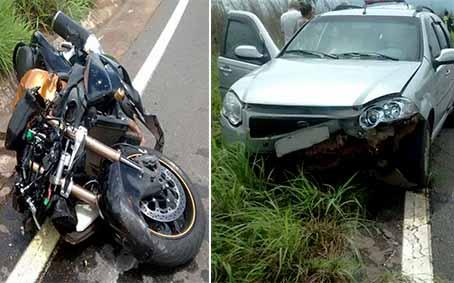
x: 248, y: 52
x: 446, y: 57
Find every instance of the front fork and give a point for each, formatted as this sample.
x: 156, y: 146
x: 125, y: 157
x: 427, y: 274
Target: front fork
x: 81, y: 140
x: 81, y: 137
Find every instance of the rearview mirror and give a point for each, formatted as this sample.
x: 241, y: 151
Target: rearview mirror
x: 248, y: 52
x: 446, y: 57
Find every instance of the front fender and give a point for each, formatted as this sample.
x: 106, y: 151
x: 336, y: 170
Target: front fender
x: 119, y: 205
x: 425, y: 108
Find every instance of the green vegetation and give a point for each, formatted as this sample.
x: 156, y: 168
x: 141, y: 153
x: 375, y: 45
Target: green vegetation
x: 19, y: 17
x: 39, y: 13
x: 393, y: 277
x: 267, y: 232
x: 13, y: 29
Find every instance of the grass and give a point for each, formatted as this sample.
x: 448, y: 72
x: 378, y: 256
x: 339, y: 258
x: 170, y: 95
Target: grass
x: 295, y: 231
x: 39, y: 13
x: 19, y: 17
x: 393, y: 277
x: 13, y: 29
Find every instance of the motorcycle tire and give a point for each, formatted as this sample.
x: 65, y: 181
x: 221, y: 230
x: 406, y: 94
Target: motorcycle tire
x: 174, y: 250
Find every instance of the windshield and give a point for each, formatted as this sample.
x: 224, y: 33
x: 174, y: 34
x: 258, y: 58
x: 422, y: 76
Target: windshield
x: 358, y: 37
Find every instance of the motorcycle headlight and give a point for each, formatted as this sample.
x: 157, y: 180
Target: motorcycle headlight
x: 387, y: 111
x: 231, y: 108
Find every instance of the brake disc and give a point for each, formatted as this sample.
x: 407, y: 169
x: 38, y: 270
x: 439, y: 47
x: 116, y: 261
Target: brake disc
x: 170, y: 204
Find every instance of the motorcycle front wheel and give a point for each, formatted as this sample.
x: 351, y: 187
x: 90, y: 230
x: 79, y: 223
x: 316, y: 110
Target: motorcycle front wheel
x: 176, y: 219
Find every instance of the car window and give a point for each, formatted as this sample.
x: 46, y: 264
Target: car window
x: 312, y: 37
x: 434, y: 45
x: 241, y: 33
x: 395, y: 37
x: 441, y: 35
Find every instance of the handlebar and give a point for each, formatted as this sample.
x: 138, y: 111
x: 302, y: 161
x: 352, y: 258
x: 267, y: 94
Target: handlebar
x: 70, y: 30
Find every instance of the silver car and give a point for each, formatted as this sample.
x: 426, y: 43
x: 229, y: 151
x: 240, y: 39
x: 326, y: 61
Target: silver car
x: 373, y: 83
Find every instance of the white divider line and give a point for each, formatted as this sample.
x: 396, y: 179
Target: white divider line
x: 416, y: 242
x: 146, y: 71
x: 34, y: 260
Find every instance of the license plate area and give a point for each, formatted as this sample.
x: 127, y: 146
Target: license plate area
x: 301, y: 139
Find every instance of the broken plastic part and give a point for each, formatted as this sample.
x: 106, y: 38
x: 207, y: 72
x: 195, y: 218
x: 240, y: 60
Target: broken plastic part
x: 86, y: 215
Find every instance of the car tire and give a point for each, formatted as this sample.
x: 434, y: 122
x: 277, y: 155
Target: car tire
x: 415, y: 152
x: 449, y: 123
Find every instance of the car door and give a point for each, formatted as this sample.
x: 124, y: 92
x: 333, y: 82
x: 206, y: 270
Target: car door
x: 444, y: 40
x: 442, y: 82
x: 243, y: 29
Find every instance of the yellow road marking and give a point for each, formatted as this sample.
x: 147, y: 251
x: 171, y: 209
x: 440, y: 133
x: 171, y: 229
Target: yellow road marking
x: 33, y: 261
x: 416, y: 242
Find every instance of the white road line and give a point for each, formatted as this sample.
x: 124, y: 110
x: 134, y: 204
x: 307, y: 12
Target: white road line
x: 209, y: 147
x: 146, y: 71
x: 34, y: 260
x: 416, y: 242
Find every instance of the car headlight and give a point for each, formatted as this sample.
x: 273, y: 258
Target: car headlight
x: 231, y: 108
x: 387, y: 111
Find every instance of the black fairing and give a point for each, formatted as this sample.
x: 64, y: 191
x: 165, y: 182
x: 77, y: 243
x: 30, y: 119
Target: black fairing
x: 127, y: 85
x: 71, y: 103
x: 120, y: 207
x: 101, y: 80
x: 64, y: 215
x: 51, y: 58
x: 25, y: 110
x: 24, y: 59
x: 39, y: 54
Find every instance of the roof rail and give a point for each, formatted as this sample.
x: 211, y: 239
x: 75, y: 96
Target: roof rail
x: 420, y: 9
x: 371, y: 2
x: 346, y: 7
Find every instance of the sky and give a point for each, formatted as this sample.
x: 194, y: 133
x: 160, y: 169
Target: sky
x: 437, y: 5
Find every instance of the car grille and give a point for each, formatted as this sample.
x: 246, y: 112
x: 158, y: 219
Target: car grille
x: 261, y: 127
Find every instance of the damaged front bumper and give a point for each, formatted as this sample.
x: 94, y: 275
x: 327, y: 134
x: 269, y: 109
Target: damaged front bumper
x: 324, y: 135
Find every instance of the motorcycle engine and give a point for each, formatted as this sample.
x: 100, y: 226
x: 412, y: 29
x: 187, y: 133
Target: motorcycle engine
x: 36, y: 160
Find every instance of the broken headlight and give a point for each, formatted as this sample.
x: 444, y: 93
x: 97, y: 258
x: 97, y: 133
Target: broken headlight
x: 231, y: 108
x: 387, y: 111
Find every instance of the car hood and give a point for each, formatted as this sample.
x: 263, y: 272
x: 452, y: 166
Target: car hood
x: 324, y: 82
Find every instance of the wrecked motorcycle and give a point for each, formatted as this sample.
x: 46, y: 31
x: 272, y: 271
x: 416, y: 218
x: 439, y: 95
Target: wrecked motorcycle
x: 80, y: 154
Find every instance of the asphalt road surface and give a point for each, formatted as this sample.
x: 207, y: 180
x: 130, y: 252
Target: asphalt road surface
x: 178, y: 93
x: 442, y: 207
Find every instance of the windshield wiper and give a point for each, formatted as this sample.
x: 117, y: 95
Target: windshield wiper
x: 309, y: 52
x: 368, y: 54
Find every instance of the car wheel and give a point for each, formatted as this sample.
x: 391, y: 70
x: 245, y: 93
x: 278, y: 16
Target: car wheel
x: 416, y: 156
